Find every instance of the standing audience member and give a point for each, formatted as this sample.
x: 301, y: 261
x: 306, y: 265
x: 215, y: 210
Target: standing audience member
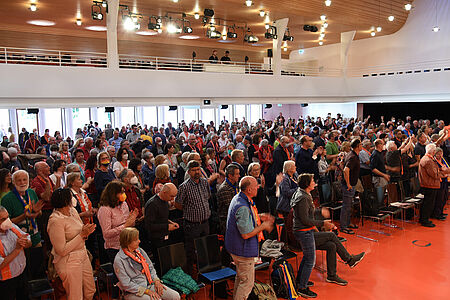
x: 349, y: 181
x: 13, y: 281
x: 68, y: 235
x: 442, y: 194
x: 225, y: 193
x: 193, y: 199
x: 243, y: 233
x: 135, y: 271
x: 122, y: 161
x: 5, y: 182
x: 104, y: 174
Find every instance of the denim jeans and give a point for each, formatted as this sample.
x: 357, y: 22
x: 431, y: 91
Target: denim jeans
x: 329, y: 242
x: 346, y: 210
x: 306, y: 240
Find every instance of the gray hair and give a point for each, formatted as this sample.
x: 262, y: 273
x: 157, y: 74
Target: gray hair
x: 390, y: 145
x: 252, y: 165
x: 185, y: 155
x: 287, y: 165
x: 430, y: 148
x: 89, y: 138
x: 72, y: 168
x: 264, y: 142
x: 12, y: 150
x: 124, y: 174
x: 18, y: 172
x: 110, y: 147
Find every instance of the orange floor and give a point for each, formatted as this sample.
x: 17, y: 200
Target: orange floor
x: 393, y: 268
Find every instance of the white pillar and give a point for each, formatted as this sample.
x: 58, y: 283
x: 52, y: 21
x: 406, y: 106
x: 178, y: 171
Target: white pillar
x: 346, y: 41
x: 276, y: 47
x: 94, y: 114
x: 13, y: 122
x: 42, y: 121
x: 68, y: 115
x: 111, y: 34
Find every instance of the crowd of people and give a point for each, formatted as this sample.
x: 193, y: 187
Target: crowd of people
x: 117, y: 195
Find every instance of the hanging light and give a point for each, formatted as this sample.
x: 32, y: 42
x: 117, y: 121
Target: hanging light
x: 323, y: 17
x: 196, y: 16
x: 262, y: 13
x: 391, y: 18
x: 436, y: 29
x: 327, y: 2
x: 104, y: 3
x: 78, y: 22
x: 33, y: 7
x: 379, y: 29
x: 224, y: 33
x: 248, y: 3
x: 408, y: 6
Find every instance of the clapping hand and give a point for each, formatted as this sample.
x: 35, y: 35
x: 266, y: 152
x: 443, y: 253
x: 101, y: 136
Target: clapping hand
x: 87, y: 230
x: 22, y: 242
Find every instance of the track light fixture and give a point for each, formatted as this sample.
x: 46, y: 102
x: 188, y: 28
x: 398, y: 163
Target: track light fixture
x: 196, y: 16
x: 311, y: 28
x: 131, y: 22
x: 262, y: 13
x: 408, y: 6
x: 287, y: 36
x: 232, y: 32
x: 208, y: 12
x: 323, y: 17
x: 250, y: 37
x: 212, y: 33
x: 267, y: 26
x: 271, y: 33
x: 187, y: 26
x: 96, y: 12
x: 173, y: 27
x: 153, y: 26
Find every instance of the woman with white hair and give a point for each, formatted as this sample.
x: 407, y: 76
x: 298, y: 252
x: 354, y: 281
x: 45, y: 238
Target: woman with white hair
x: 261, y: 203
x: 287, y: 185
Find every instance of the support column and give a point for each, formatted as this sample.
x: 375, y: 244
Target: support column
x: 94, y: 114
x: 346, y: 41
x: 13, y: 122
x: 276, y: 47
x: 42, y: 121
x: 111, y: 34
x: 68, y: 115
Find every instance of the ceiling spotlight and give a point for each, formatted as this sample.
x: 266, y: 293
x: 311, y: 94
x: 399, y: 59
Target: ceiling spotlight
x: 379, y: 29
x: 129, y: 24
x: 212, y: 28
x: 323, y: 17
x: 372, y: 33
x: 271, y: 33
x: 212, y: 21
x: 196, y: 16
x: 158, y: 20
x: 284, y: 49
x: 408, y: 6
x: 267, y: 19
x: 320, y: 43
x: 173, y: 28
x: 322, y: 35
x: 33, y: 7
x: 175, y: 1
x: 327, y: 2
x: 78, y: 22
x: 391, y: 18
x: 322, y: 29
x: 287, y: 36
x: 321, y: 38
x: 436, y: 29
x: 250, y: 38
x: 325, y: 25
x: 104, y: 3
x: 159, y: 30
x: 96, y: 12
x: 187, y: 29
x: 266, y: 26
x: 248, y: 3
x: 262, y: 13
x: 231, y: 35
x: 154, y: 26
x: 213, y: 34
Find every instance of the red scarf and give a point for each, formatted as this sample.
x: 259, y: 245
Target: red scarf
x: 86, y: 220
x: 139, y: 258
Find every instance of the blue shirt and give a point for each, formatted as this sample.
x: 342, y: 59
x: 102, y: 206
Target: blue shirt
x: 8, y: 240
x: 116, y: 142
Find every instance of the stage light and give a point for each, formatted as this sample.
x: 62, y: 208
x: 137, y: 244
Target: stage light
x: 266, y: 26
x: 262, y: 13
x: 153, y: 26
x: 327, y: 2
x: 196, y: 16
x: 33, y: 7
x: 224, y: 33
x: 391, y: 18
x: 288, y: 38
x: 78, y: 22
x: 325, y: 25
x: 372, y: 33
x: 212, y: 28
x: 408, y: 6
x: 231, y: 35
x: 323, y: 17
x: 187, y: 29
x: 104, y: 3
x: 213, y: 34
x: 436, y: 29
x: 250, y: 37
x: 248, y: 3
x: 379, y: 29
x: 128, y: 23
x: 96, y: 11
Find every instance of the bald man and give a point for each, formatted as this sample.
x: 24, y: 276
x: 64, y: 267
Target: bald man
x: 156, y: 220
x: 244, y: 231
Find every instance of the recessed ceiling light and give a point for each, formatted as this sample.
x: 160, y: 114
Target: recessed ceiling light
x: 189, y: 37
x: 372, y: 33
x: 96, y: 28
x: 78, y: 22
x: 379, y: 29
x: 41, y: 22
x: 391, y: 18
x: 408, y: 6
x: 436, y: 29
x: 261, y: 13
x: 147, y: 33
x: 248, y: 3
x: 197, y: 16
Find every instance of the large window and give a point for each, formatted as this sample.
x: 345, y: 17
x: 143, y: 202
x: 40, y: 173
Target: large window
x: 103, y: 117
x: 150, y: 116
x: 4, y: 122
x: 190, y: 113
x: 168, y: 116
x: 80, y: 117
x: 127, y: 115
x: 208, y: 115
x: 239, y: 112
x: 52, y: 120
x: 225, y: 113
x: 25, y: 120
x: 255, y: 113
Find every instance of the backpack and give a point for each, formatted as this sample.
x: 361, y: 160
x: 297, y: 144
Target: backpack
x: 283, y: 281
x: 262, y: 291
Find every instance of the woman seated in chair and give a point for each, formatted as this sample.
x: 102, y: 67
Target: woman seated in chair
x: 137, y: 276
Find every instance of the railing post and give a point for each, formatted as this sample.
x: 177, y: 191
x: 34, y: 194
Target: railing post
x: 59, y: 55
x: 156, y: 63
x: 6, y: 56
x: 191, y: 65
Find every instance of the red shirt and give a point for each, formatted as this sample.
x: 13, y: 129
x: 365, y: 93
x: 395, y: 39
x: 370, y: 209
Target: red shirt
x: 86, y: 153
x: 38, y: 185
x: 133, y: 200
x: 91, y: 189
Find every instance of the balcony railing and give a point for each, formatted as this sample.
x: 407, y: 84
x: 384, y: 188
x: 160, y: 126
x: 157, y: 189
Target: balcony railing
x: 99, y: 60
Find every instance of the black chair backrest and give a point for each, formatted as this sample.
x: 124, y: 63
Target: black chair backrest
x: 208, y: 253
x: 171, y: 257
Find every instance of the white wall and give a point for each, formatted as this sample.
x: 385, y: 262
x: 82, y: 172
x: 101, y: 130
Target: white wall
x: 414, y: 42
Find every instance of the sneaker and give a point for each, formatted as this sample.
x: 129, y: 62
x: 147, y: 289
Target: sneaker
x: 336, y: 279
x: 353, y: 226
x: 428, y: 224
x: 307, y: 293
x: 355, y: 259
x: 342, y: 239
x: 310, y: 284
